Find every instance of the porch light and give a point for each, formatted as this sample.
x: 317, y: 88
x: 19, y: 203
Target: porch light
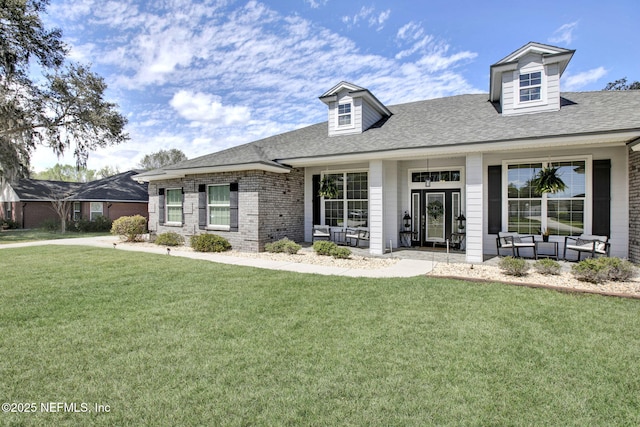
x: 461, y: 219
x: 407, y: 220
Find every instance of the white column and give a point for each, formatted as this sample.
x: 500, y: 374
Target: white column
x: 390, y: 200
x: 474, y: 208
x: 376, y: 207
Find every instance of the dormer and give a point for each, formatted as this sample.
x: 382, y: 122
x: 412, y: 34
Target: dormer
x: 528, y: 80
x: 352, y: 109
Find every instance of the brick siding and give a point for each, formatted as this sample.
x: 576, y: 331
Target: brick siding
x: 270, y: 207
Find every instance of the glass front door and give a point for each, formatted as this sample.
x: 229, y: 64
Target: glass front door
x: 434, y: 215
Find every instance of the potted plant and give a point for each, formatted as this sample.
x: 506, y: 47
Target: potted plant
x: 548, y: 181
x: 328, y: 187
x: 545, y: 234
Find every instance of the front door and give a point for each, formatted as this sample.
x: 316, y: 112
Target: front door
x: 434, y: 214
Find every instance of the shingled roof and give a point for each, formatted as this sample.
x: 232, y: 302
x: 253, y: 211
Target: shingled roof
x: 120, y: 187
x: 452, y: 122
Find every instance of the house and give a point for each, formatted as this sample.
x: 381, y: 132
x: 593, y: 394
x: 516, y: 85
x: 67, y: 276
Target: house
x: 431, y: 162
x: 28, y: 201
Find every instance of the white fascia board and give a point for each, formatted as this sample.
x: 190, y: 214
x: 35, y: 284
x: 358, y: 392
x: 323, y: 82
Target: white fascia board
x: 181, y: 173
x: 608, y: 140
x: 495, y: 89
x: 635, y: 144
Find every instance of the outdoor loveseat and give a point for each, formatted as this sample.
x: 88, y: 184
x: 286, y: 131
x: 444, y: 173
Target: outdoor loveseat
x: 354, y: 234
x: 587, y: 244
x: 321, y: 232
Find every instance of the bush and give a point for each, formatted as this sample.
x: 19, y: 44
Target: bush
x: 130, y: 227
x: 209, y: 243
x: 341, y: 252
x: 101, y: 223
x: 169, y: 238
x: 283, y: 246
x: 9, y: 224
x: 513, y: 266
x: 547, y: 266
x: 600, y: 270
x: 324, y: 247
x: 50, y: 225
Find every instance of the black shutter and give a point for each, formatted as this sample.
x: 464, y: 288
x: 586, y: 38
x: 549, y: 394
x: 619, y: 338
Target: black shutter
x: 494, y: 205
x: 161, y: 206
x: 202, y: 206
x: 601, y: 197
x: 316, y: 199
x: 233, y: 206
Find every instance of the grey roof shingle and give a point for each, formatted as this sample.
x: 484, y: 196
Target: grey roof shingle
x: 120, y: 187
x: 450, y: 121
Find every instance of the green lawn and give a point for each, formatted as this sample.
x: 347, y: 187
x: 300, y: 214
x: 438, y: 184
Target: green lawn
x: 172, y: 341
x: 16, y: 236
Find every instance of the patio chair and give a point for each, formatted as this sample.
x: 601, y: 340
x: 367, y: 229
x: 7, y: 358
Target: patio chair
x: 514, y: 242
x: 587, y: 244
x: 357, y: 235
x: 321, y: 232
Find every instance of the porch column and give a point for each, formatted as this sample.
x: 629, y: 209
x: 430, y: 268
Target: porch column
x: 474, y: 208
x: 376, y: 207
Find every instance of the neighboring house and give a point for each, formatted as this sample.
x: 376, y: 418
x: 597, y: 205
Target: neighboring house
x: 28, y: 202
x: 433, y: 160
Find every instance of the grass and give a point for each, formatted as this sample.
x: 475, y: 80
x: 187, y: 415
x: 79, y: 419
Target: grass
x: 31, y: 235
x: 174, y: 341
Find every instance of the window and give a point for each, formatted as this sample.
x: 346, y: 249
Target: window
x: 96, y: 210
x: 344, y: 114
x: 218, y: 205
x: 351, y: 207
x: 530, y: 86
x: 436, y: 176
x: 7, y: 210
x: 530, y: 211
x: 77, y: 213
x: 174, y: 205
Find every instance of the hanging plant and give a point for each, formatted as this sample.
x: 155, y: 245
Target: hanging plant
x: 548, y: 181
x: 328, y: 188
x: 435, y: 209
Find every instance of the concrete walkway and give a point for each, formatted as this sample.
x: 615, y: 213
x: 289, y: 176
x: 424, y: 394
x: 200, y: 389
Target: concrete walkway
x: 405, y: 267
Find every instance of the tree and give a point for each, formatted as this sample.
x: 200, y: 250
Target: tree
x: 66, y: 173
x: 62, y: 204
x: 64, y: 109
x: 621, y: 84
x: 162, y: 158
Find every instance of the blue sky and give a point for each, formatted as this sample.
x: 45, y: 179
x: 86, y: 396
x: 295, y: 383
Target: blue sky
x: 202, y: 76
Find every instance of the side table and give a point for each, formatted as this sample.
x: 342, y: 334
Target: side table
x: 547, y: 249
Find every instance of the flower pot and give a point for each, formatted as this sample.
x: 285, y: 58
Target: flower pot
x: 545, y: 238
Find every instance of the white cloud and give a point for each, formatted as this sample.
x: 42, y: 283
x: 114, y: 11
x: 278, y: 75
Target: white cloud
x: 203, y: 108
x: 369, y: 15
x: 564, y: 34
x: 315, y: 4
x: 580, y: 80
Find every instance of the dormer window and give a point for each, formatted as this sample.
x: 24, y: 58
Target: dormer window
x: 530, y: 86
x: 344, y: 114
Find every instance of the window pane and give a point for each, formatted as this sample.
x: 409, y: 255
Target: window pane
x: 219, y: 194
x: 344, y: 108
x: 357, y: 186
x: 573, y: 175
x: 344, y: 120
x: 219, y: 216
x: 174, y: 213
x: 174, y: 197
x: 525, y: 216
x: 520, y: 177
x: 565, y: 217
x: 357, y: 214
x: 334, y: 213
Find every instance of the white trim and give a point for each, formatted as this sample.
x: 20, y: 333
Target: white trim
x: 517, y: 104
x: 166, y: 206
x: 181, y: 173
x: 351, y: 114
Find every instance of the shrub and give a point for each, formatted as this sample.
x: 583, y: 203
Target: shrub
x: 209, y: 243
x: 9, y: 223
x: 547, y: 266
x: 101, y: 223
x: 513, y: 266
x: 283, y: 246
x: 129, y: 227
x: 341, y: 252
x: 324, y: 247
x: 50, y: 225
x: 169, y: 238
x: 599, y: 270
